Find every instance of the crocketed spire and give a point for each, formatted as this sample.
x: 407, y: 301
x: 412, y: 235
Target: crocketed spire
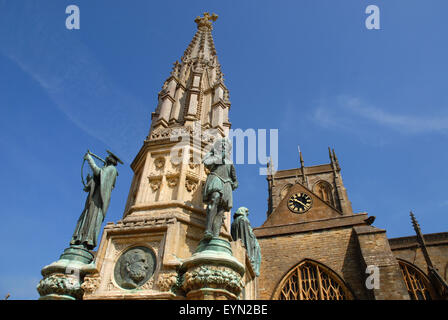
x: 195, y: 91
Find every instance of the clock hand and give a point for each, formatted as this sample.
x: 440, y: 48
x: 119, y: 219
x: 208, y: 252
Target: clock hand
x: 295, y: 200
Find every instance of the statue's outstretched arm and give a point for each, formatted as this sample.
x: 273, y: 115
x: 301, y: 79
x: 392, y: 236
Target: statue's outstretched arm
x: 96, y: 170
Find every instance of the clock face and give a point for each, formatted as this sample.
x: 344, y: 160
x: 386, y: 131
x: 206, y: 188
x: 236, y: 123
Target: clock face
x: 300, y: 202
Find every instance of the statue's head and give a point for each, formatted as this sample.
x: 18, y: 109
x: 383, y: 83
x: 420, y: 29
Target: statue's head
x: 111, y: 161
x: 223, y: 146
x: 135, y: 266
x: 242, y: 211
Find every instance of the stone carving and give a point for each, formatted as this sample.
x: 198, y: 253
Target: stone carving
x: 191, y: 184
x: 91, y: 283
x: 166, y: 281
x: 148, y: 285
x: 141, y: 222
x: 209, y: 136
x: 159, y: 163
x: 155, y: 183
x: 180, y: 131
x: 134, y: 267
x: 205, y: 21
x: 241, y: 229
x: 176, y: 69
x: 192, y: 164
x: 62, y: 285
x: 206, y: 136
x: 161, y: 133
x: 217, y: 193
x: 208, y: 276
x: 172, y: 181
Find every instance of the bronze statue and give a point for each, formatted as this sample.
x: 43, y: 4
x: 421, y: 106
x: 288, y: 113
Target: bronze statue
x: 99, y: 186
x: 217, y: 193
x: 241, y: 229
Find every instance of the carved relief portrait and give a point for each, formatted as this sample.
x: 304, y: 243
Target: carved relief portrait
x: 134, y: 267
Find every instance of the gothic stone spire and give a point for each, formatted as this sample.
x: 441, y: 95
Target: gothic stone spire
x: 195, y: 91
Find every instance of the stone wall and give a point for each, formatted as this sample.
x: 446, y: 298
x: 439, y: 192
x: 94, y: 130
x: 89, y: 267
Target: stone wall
x: 337, y: 249
x: 376, y: 252
x: 406, y: 248
x: 346, y: 250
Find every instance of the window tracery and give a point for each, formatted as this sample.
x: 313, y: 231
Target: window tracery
x: 312, y: 281
x: 417, y: 282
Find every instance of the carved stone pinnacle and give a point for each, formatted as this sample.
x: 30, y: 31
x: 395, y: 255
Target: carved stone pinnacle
x: 205, y: 21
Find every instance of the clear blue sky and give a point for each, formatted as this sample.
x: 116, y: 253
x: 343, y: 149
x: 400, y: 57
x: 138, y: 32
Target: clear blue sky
x: 308, y: 68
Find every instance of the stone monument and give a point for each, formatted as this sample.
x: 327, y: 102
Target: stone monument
x: 171, y: 242
x: 212, y: 273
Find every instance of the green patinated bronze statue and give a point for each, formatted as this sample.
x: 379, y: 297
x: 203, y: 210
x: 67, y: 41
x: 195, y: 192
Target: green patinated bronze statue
x: 63, y: 278
x: 99, y: 186
x: 217, y: 193
x: 241, y: 229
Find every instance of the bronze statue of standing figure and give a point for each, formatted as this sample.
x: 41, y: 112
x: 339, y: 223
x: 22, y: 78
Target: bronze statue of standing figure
x: 99, y: 186
x: 220, y: 183
x: 241, y: 229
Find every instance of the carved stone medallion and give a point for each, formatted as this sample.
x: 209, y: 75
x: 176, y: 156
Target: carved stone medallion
x: 134, y: 267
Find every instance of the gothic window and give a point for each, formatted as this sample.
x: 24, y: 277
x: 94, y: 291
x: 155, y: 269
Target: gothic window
x: 312, y: 281
x: 323, y: 190
x: 417, y: 282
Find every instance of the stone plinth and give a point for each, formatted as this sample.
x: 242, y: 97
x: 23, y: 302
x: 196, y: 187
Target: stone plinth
x: 63, y: 278
x: 212, y: 273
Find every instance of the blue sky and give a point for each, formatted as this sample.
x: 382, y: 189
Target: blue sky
x: 308, y: 68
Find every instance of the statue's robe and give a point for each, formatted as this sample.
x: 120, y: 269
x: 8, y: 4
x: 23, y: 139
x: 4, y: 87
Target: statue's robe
x: 241, y: 229
x: 100, y: 188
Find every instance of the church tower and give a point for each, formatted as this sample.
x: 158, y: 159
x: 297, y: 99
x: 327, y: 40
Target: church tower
x: 324, y: 180
x: 164, y: 216
x: 315, y: 247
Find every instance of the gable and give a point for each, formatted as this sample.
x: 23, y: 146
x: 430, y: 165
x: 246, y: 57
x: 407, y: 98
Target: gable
x: 319, y: 209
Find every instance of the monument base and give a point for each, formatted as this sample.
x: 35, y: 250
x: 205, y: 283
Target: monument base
x: 214, y: 245
x: 77, y: 253
x: 212, y: 273
x: 63, y: 278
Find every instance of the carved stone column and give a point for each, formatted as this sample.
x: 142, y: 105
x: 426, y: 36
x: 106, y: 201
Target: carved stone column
x: 212, y: 273
x: 63, y: 279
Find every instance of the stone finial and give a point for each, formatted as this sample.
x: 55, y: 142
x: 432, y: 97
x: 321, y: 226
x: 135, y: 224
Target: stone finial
x: 414, y: 222
x: 205, y: 21
x: 331, y: 155
x: 302, y: 163
x: 336, y: 160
